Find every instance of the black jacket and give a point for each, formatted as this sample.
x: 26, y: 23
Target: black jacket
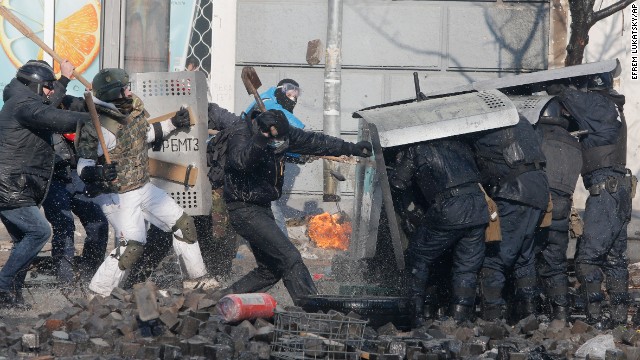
x: 26, y: 153
x: 510, y: 160
x: 254, y: 173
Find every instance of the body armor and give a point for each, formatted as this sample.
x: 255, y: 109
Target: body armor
x: 130, y: 152
x: 564, y: 157
x: 443, y: 164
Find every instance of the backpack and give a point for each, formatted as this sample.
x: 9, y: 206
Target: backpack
x: 217, y: 154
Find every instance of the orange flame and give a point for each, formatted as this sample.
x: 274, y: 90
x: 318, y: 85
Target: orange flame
x: 329, y: 231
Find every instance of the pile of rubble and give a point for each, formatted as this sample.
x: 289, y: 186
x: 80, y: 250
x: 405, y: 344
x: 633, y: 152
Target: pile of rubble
x: 147, y: 323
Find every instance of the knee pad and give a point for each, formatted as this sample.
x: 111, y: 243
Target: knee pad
x: 188, y: 227
x: 131, y: 254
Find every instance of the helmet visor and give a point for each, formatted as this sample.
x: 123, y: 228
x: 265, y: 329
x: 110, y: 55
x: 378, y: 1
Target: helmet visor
x: 290, y: 90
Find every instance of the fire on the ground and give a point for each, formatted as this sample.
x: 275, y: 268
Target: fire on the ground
x: 330, y: 231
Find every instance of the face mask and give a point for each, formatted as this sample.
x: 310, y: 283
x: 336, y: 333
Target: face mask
x: 278, y: 145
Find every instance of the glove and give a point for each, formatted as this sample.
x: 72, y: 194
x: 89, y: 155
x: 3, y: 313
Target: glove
x: 181, y: 118
x: 91, y: 174
x: 555, y: 89
x: 276, y: 119
x: 362, y: 149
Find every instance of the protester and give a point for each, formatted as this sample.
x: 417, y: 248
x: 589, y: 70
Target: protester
x: 253, y: 177
x: 27, y: 121
x: 284, y: 97
x: 122, y: 187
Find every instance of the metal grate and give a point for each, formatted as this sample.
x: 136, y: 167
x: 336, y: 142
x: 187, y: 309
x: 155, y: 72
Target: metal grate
x: 530, y: 103
x: 491, y: 100
x: 201, y: 35
x: 173, y: 87
x: 186, y: 199
x: 300, y: 335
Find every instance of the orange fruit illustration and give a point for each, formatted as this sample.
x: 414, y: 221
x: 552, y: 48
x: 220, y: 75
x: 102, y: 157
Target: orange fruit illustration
x: 76, y: 36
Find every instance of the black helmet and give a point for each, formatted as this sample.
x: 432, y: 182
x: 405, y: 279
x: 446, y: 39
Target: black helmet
x: 281, y: 93
x: 552, y: 114
x: 36, y: 74
x: 600, y: 81
x: 108, y: 84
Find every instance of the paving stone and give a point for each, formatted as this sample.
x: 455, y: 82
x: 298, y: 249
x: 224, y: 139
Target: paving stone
x: 265, y: 333
x: 63, y: 348
x: 630, y: 337
x: 494, y: 331
x: 148, y: 352
x: 170, y: 352
x: 218, y: 352
x: 189, y: 327
x: 387, y: 329
x: 170, y: 319
x: 243, y: 331
x: 129, y: 349
x: 580, y: 327
x: 262, y: 349
x: 99, y: 346
x: 30, y: 342
x: 146, y: 301
x: 60, y: 335
x: 615, y: 354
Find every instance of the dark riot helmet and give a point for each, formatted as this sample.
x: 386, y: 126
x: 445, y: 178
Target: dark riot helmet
x: 36, y: 75
x: 108, y: 84
x: 552, y: 114
x: 601, y: 81
x: 284, y: 89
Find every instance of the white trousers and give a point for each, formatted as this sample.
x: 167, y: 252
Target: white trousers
x: 129, y: 214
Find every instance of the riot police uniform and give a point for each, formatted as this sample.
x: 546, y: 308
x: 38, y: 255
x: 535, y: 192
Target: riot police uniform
x: 564, y: 160
x: 511, y: 166
x: 601, y: 249
x: 455, y: 218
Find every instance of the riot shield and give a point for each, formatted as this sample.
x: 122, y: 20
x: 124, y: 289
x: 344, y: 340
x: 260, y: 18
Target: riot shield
x: 530, y: 106
x: 179, y: 167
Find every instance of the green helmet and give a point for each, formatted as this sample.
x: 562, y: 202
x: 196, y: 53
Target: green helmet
x: 108, y: 83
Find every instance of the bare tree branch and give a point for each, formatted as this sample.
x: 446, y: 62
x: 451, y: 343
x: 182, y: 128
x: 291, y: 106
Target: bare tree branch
x: 610, y: 10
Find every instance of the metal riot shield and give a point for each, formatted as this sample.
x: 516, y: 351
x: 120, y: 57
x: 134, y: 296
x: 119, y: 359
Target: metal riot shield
x: 530, y: 106
x: 537, y: 77
x: 179, y: 167
x: 441, y: 117
x: 406, y: 123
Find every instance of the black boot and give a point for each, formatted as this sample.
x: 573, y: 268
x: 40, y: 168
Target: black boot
x: 462, y: 313
x: 430, y: 312
x: 560, y: 312
x: 418, y: 312
x: 619, y: 314
x: 594, y: 316
x: 491, y: 312
x: 524, y: 308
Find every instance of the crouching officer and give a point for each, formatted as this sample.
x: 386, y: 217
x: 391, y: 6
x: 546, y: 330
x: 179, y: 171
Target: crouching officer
x: 253, y: 178
x: 455, y: 219
x: 511, y: 167
x: 597, y: 108
x: 126, y: 195
x: 564, y: 160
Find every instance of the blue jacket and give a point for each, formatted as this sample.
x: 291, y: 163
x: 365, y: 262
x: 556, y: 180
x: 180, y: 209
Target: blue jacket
x: 270, y: 103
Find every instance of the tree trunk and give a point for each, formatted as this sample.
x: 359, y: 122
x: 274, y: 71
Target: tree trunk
x: 581, y: 14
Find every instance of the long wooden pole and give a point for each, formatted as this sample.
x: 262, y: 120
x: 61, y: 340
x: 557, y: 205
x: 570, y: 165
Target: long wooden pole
x: 26, y: 31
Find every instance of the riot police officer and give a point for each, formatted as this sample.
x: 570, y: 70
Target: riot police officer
x: 455, y: 218
x: 564, y: 160
x: 597, y: 108
x: 511, y: 165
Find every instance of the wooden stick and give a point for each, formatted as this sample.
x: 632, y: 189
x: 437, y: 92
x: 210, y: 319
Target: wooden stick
x: 88, y: 98
x: 26, y: 31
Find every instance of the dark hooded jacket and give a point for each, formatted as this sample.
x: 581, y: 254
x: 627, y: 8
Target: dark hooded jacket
x: 254, y: 173
x: 26, y: 151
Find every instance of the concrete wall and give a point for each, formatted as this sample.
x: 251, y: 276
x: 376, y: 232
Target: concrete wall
x: 447, y: 42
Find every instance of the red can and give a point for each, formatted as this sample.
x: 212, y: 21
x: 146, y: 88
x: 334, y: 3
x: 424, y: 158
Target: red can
x: 238, y: 307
